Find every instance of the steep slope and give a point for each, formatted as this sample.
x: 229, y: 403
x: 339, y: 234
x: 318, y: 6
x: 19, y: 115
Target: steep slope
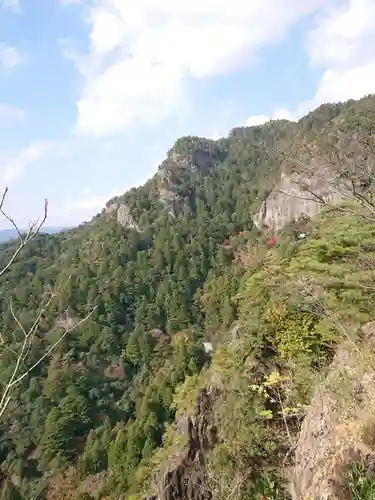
x: 338, y: 428
x: 330, y: 157
x: 114, y: 376
x: 168, y: 266
x: 295, y: 305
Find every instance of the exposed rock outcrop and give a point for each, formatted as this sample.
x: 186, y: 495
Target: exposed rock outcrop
x: 123, y: 215
x: 170, y: 199
x: 297, y: 193
x: 170, y: 193
x: 198, y: 160
x: 187, y: 479
x: 339, y: 424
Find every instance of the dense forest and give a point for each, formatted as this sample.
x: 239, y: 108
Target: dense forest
x: 129, y: 300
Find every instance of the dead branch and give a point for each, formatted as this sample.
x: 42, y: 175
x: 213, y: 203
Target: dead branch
x: 17, y: 377
x: 18, y: 373
x: 224, y: 487
x: 34, y: 229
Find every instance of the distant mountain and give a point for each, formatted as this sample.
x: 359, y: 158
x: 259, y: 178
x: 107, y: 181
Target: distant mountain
x: 9, y: 234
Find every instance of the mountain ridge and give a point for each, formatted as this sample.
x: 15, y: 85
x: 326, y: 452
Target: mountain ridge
x: 130, y: 404
x: 180, y: 158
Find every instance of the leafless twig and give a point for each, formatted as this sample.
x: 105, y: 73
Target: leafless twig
x: 349, y: 174
x: 18, y: 373
x: 34, y: 229
x: 17, y: 377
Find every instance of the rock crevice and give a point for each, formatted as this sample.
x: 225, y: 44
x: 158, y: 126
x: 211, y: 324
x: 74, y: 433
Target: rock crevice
x: 187, y: 479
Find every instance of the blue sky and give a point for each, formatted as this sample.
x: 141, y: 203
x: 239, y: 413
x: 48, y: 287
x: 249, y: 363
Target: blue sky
x: 94, y: 92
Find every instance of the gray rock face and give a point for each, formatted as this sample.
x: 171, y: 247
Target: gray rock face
x: 123, y: 215
x: 199, y: 160
x: 125, y: 218
x: 297, y: 194
x: 186, y: 480
x: 332, y: 434
x: 174, y: 201
x: 110, y: 209
x: 167, y: 196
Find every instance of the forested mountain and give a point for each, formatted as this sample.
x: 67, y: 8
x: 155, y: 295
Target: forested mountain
x: 9, y: 234
x: 129, y: 403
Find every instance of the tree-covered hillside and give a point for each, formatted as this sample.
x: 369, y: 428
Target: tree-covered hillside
x: 11, y: 234
x: 163, y: 269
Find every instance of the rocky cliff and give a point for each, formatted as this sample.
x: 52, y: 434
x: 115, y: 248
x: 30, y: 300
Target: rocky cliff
x: 187, y: 479
x: 339, y: 426
x: 300, y: 191
x: 173, y: 192
x: 123, y: 215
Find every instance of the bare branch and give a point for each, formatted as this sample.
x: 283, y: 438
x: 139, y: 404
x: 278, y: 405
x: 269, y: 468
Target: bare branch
x: 347, y: 172
x: 34, y: 229
x: 3, y: 198
x: 12, y: 222
x: 16, y: 377
x: 46, y: 354
x: 239, y: 482
x: 15, y: 318
x: 6, y: 347
x: 17, y: 373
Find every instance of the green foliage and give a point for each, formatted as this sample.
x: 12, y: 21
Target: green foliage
x: 360, y: 486
x: 108, y: 398
x: 268, y: 486
x: 9, y: 492
x: 297, y: 334
x: 216, y: 299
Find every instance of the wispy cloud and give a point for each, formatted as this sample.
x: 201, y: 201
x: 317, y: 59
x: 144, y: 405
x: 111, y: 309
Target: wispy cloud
x: 341, y: 44
x: 13, y: 167
x: 132, y: 71
x: 68, y: 2
x: 256, y: 120
x: 12, y: 112
x: 12, y: 6
x: 10, y: 57
x: 279, y: 114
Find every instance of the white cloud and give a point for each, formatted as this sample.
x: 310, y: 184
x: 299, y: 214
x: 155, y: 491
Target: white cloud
x: 279, y: 114
x: 257, y: 120
x: 341, y: 85
x: 12, y: 5
x: 342, y: 44
x: 344, y: 37
x: 10, y: 57
x: 283, y: 114
x: 143, y: 54
x: 214, y: 136
x: 13, y: 167
x: 12, y: 112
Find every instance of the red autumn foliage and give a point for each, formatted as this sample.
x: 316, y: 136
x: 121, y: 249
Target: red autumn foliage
x: 271, y: 242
